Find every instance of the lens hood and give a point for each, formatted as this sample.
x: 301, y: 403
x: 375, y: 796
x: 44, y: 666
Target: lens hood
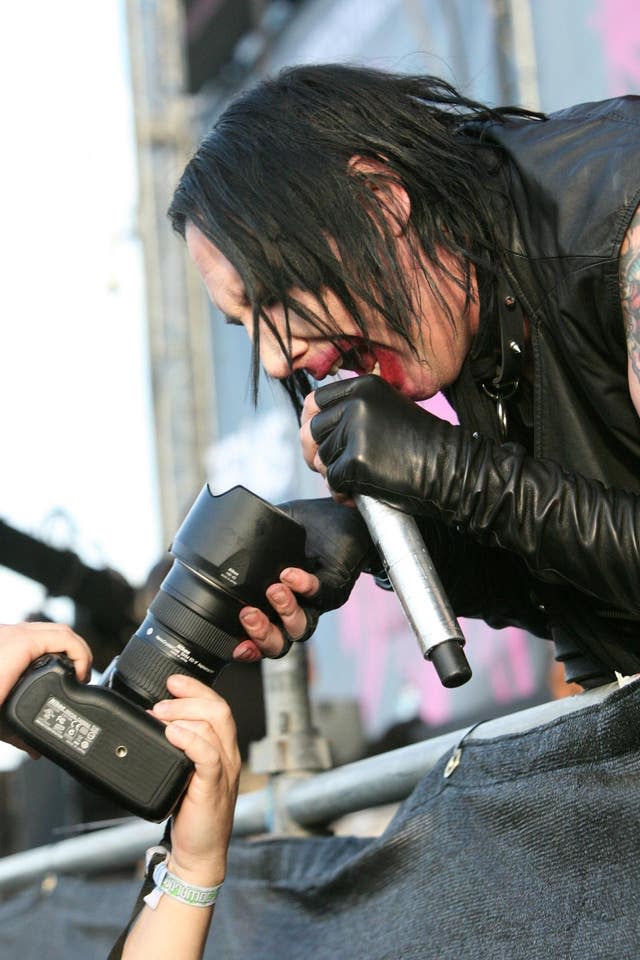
x: 240, y: 542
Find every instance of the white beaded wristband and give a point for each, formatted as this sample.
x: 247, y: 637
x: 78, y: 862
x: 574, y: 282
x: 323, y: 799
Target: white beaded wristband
x: 177, y: 889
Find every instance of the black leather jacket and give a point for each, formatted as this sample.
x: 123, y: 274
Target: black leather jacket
x: 571, y: 186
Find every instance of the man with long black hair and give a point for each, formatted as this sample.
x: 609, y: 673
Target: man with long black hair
x: 386, y: 225
x: 357, y: 220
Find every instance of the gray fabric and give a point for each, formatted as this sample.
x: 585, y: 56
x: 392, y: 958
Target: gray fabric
x: 528, y: 851
x: 78, y: 920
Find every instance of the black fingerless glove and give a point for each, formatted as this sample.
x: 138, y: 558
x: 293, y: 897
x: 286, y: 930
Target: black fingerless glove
x: 339, y: 548
x: 567, y: 529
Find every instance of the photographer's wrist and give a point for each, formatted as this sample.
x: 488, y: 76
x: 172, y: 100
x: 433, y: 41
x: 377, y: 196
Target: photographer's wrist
x: 176, y: 888
x: 206, y: 873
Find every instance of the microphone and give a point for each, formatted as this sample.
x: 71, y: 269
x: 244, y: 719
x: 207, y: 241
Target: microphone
x: 416, y: 582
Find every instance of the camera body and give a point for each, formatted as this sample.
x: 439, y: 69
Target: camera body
x: 228, y: 550
x: 98, y: 736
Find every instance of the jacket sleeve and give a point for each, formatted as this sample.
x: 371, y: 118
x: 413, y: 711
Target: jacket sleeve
x: 567, y: 529
x: 484, y: 582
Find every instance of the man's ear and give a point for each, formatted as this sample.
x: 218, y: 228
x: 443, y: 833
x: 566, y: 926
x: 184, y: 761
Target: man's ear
x: 388, y: 189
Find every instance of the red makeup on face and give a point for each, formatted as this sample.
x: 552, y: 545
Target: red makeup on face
x: 419, y: 375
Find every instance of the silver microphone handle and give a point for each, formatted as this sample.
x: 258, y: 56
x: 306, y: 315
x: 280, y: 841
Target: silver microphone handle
x: 417, y: 585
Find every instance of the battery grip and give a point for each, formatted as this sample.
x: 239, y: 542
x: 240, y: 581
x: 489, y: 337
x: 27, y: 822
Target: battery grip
x: 102, y: 739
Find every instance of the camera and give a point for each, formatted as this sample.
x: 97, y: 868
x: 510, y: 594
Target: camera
x: 227, y: 551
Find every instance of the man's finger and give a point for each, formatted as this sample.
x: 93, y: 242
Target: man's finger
x: 302, y: 582
x: 308, y: 444
x: 309, y: 408
x: 265, y: 634
x: 284, y: 602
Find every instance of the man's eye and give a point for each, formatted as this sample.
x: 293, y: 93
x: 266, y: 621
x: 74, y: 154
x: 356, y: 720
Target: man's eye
x: 232, y: 321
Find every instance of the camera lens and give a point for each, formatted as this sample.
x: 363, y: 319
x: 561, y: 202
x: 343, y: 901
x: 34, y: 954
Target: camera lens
x: 228, y: 550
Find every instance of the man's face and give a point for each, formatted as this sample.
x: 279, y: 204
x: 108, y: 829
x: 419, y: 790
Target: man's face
x: 440, y: 354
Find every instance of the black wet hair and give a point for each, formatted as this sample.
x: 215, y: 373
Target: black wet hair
x: 273, y: 188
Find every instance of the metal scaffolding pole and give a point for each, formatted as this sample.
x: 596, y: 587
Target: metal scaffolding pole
x: 524, y: 49
x: 178, y: 317
x: 292, y: 749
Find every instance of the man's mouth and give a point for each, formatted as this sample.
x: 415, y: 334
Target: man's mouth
x: 357, y: 358
x: 352, y: 356
x: 340, y: 364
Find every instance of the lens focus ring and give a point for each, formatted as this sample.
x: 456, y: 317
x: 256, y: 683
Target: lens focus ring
x: 194, y: 628
x: 145, y: 670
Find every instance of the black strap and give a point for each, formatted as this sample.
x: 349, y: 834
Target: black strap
x: 491, y: 373
x: 509, y: 367
x: 511, y: 327
x: 475, y: 410
x: 147, y: 887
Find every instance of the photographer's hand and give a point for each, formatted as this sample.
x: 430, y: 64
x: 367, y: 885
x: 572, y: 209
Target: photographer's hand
x: 200, y: 723
x: 21, y: 644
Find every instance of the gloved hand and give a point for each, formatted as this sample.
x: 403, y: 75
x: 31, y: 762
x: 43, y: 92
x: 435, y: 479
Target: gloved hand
x: 372, y: 439
x: 568, y: 529
x: 339, y: 548
x: 479, y: 581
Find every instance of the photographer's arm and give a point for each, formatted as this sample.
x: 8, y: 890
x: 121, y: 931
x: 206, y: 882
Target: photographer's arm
x: 22, y: 643
x: 200, y: 723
